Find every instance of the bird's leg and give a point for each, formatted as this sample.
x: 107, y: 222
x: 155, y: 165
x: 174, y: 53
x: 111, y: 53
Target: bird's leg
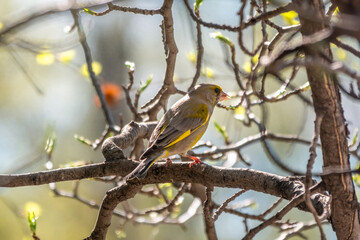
x: 195, y: 159
x: 168, y: 162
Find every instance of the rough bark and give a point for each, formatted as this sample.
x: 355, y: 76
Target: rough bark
x: 244, y: 178
x: 333, y: 129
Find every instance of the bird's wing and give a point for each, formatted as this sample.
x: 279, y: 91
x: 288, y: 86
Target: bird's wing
x: 174, y: 127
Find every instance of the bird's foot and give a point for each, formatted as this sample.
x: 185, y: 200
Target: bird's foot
x: 168, y: 162
x: 195, y: 159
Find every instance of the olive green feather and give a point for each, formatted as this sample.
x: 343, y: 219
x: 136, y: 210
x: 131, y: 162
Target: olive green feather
x: 180, y: 128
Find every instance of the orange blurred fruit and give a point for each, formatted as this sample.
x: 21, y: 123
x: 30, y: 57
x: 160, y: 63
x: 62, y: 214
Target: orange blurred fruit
x: 112, y: 94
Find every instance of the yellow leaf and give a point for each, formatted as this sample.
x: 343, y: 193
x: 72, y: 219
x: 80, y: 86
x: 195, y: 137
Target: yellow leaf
x: 247, y: 67
x: 120, y: 234
x: 305, y: 86
x: 240, y: 110
x: 175, y: 78
x: 240, y: 113
x: 255, y: 58
x: 66, y: 56
x: 96, y: 66
x: 207, y: 72
x: 1, y: 25
x: 336, y: 12
x: 33, y: 207
x: 45, y: 58
x: 356, y: 178
x: 340, y: 54
x: 191, y: 56
x: 290, y: 17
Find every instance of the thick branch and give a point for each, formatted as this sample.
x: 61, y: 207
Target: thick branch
x: 128, y: 136
x: 111, y: 200
x: 333, y: 129
x: 168, y: 87
x: 204, y: 174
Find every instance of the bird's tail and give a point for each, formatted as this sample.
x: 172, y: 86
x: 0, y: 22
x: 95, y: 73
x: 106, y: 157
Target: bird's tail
x: 141, y: 170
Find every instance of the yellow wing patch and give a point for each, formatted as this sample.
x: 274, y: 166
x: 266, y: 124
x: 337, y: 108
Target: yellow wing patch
x: 201, y: 113
x: 178, y: 139
x: 164, y: 155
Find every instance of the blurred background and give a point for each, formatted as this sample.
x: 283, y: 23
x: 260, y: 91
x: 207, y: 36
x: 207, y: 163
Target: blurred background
x: 45, y: 91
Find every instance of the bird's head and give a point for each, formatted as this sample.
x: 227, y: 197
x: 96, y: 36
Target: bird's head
x: 210, y: 92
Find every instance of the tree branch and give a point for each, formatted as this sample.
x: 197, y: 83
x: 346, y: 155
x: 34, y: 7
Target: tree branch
x: 112, y: 198
x: 168, y: 87
x: 284, y: 187
x: 208, y: 220
x: 333, y: 128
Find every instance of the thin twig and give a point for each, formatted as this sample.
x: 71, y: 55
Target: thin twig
x: 308, y: 180
x: 346, y: 47
x: 127, y: 89
x: 280, y: 214
x: 199, y: 53
x: 111, y: 127
x: 168, y: 88
x: 225, y: 204
x: 272, y: 207
x: 170, y: 205
x: 209, y: 222
x: 23, y: 68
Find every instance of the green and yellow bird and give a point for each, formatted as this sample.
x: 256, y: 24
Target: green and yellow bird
x: 181, y: 127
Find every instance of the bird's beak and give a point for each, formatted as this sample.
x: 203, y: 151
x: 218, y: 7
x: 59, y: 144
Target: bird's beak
x: 223, y: 96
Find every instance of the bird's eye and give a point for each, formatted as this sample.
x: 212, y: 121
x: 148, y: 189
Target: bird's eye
x: 217, y: 91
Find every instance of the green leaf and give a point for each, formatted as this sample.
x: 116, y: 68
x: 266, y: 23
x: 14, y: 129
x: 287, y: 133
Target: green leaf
x: 222, y: 131
x: 354, y: 138
x: 143, y: 86
x: 197, y: 4
x: 32, y: 221
x: 88, y: 11
x: 120, y: 234
x: 73, y: 164
x: 83, y: 140
x: 254, y: 205
x: 130, y: 66
x: 50, y: 143
x: 222, y: 38
x: 280, y: 93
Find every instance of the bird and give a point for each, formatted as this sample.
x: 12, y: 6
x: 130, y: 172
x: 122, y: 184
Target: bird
x: 181, y: 127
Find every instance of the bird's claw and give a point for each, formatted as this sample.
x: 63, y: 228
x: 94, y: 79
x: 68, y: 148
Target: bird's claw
x: 168, y: 162
x: 196, y: 161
